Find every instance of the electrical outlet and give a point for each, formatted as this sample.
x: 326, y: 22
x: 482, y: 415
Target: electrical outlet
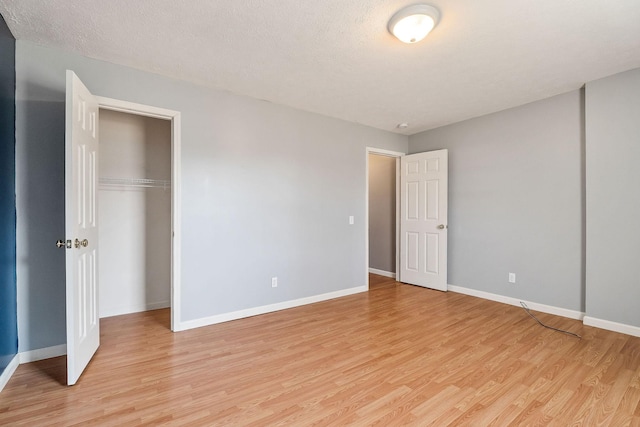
x: 512, y: 277
x: 274, y: 282
x: 351, y: 220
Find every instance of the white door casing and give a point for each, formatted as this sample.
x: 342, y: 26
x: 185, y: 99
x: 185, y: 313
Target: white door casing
x: 423, y: 219
x: 175, y: 118
x: 81, y: 226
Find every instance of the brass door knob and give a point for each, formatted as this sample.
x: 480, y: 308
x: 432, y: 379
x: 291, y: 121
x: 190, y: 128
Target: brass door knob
x: 84, y: 243
x: 441, y: 227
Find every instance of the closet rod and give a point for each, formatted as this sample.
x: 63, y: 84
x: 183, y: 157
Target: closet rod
x: 135, y: 182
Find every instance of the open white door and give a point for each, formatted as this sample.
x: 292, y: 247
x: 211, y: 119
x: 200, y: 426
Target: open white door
x: 423, y: 219
x: 81, y: 226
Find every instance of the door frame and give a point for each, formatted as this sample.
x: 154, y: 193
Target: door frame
x: 176, y: 216
x: 396, y: 155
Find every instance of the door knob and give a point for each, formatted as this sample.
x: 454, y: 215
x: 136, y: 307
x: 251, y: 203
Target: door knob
x: 63, y: 244
x: 84, y: 243
x: 441, y: 227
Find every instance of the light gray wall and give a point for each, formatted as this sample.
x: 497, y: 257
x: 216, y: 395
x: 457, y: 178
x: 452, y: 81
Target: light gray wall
x: 382, y: 213
x: 516, y: 200
x: 613, y: 198
x: 266, y: 191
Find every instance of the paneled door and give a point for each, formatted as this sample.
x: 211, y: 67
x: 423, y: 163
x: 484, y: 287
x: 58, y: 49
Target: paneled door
x: 423, y: 219
x: 81, y: 226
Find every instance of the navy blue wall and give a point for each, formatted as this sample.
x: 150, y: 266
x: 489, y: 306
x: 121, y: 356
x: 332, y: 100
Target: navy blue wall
x: 8, y: 316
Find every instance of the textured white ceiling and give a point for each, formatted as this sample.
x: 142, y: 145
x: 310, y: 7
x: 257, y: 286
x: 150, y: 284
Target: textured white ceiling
x: 335, y: 57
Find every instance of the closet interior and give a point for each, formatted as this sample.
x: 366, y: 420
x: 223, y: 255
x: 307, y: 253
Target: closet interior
x: 134, y: 258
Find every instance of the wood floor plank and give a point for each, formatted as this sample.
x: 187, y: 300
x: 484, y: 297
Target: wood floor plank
x: 394, y: 356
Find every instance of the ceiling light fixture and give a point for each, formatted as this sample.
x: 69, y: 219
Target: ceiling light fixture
x: 413, y: 23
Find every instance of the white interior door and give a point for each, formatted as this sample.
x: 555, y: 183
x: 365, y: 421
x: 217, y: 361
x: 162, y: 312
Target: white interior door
x: 423, y: 219
x: 81, y: 226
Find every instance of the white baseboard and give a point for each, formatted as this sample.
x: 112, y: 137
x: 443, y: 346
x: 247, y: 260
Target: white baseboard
x: 612, y: 326
x: 9, y: 370
x: 118, y: 311
x: 382, y: 273
x: 571, y: 314
x: 212, y: 320
x: 30, y: 356
x: 43, y: 353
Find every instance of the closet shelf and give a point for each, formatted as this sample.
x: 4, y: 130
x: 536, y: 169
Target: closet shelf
x: 135, y: 182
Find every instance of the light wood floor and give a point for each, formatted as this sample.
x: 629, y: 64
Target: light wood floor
x: 397, y: 355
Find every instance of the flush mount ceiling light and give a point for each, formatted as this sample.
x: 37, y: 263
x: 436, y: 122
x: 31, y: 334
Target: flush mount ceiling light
x: 413, y: 23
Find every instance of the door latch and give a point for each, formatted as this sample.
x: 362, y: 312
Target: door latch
x: 63, y: 244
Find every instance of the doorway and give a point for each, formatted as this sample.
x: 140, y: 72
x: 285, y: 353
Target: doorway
x: 421, y: 226
x: 134, y: 208
x: 382, y: 215
x: 140, y: 180
x: 382, y: 206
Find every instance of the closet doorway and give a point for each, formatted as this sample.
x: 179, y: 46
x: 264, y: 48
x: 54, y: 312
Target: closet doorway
x: 138, y: 175
x: 382, y: 211
x: 382, y: 215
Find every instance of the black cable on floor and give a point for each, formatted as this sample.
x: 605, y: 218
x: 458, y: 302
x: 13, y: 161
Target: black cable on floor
x: 542, y: 324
